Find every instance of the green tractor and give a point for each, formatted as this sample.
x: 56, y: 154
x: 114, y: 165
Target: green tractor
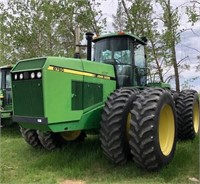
x: 58, y: 100
x: 5, y: 96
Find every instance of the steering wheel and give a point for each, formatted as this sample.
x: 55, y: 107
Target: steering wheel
x: 112, y: 61
x: 117, y: 61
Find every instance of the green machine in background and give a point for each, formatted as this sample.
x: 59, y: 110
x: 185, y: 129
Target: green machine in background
x: 56, y: 100
x: 5, y: 96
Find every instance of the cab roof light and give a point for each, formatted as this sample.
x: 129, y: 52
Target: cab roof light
x: 121, y: 33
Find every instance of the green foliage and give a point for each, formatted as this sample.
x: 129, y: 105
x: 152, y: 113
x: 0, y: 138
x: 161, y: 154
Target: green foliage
x: 39, y: 28
x: 120, y: 19
x: 193, y: 11
x: 170, y: 36
x: 161, y: 51
x: 142, y: 22
x: 163, y: 33
x: 85, y: 161
x: 141, y: 17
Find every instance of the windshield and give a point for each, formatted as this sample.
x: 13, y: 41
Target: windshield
x: 116, y: 49
x: 126, y: 55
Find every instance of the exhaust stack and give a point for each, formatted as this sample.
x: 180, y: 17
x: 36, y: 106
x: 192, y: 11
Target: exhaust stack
x: 89, y: 36
x: 77, y: 40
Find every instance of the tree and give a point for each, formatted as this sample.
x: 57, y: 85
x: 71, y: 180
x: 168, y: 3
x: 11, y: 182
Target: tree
x: 39, y: 28
x: 140, y: 21
x: 193, y: 11
x: 163, y: 33
x: 171, y: 37
x: 119, y: 20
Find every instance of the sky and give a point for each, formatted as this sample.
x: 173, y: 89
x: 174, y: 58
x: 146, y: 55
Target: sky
x: 188, y: 47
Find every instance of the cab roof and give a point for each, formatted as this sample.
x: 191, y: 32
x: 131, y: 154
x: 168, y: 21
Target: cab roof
x: 6, y: 66
x: 120, y: 34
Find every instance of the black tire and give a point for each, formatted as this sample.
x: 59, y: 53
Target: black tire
x: 6, y: 122
x: 174, y: 94
x: 187, y: 109
x: 113, y: 137
x: 49, y: 140
x: 148, y: 137
x: 31, y: 137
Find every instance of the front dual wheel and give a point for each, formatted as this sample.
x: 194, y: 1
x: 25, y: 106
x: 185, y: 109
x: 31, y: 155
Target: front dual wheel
x: 143, y: 124
x: 31, y: 137
x: 49, y: 140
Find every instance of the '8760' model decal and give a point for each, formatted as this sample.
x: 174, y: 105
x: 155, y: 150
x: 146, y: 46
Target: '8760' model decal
x: 76, y: 72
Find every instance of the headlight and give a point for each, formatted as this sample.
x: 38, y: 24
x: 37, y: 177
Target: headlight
x: 21, y: 76
x: 39, y: 75
x: 15, y: 76
x: 32, y: 75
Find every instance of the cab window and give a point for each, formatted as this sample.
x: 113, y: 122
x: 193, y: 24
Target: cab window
x: 8, y: 80
x: 139, y: 56
x: 140, y: 70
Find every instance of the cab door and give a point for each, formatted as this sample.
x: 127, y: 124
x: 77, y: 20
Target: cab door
x: 6, y: 87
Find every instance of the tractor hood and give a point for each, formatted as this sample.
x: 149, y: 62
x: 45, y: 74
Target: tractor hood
x: 53, y: 90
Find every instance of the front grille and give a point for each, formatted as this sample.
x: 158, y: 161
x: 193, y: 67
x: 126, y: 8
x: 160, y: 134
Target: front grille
x: 28, y: 98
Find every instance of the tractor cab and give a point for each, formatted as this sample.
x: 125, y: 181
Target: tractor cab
x: 5, y: 95
x: 126, y: 53
x: 5, y: 86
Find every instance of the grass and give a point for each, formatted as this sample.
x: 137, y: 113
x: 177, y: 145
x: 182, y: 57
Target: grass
x: 21, y: 164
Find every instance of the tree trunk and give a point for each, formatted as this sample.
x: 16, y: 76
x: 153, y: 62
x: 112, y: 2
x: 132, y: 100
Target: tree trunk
x: 128, y: 16
x: 157, y: 63
x: 173, y: 45
x: 176, y: 73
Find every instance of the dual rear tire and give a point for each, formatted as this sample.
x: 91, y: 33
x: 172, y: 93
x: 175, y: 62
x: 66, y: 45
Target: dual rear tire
x: 115, y: 124
x: 142, y: 125
x: 153, y: 129
x: 147, y: 125
x: 187, y: 109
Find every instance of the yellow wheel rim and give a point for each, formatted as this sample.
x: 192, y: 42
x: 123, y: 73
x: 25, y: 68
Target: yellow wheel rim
x: 128, y: 122
x: 196, y: 117
x: 71, y: 135
x: 166, y: 129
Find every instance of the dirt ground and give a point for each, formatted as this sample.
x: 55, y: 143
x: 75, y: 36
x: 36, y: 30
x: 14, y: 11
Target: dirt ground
x: 72, y: 182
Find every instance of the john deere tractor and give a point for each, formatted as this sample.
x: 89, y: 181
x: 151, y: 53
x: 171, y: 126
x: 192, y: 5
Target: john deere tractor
x: 5, y: 96
x: 58, y: 100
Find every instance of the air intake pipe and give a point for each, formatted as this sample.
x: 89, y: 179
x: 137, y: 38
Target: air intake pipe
x: 89, y: 36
